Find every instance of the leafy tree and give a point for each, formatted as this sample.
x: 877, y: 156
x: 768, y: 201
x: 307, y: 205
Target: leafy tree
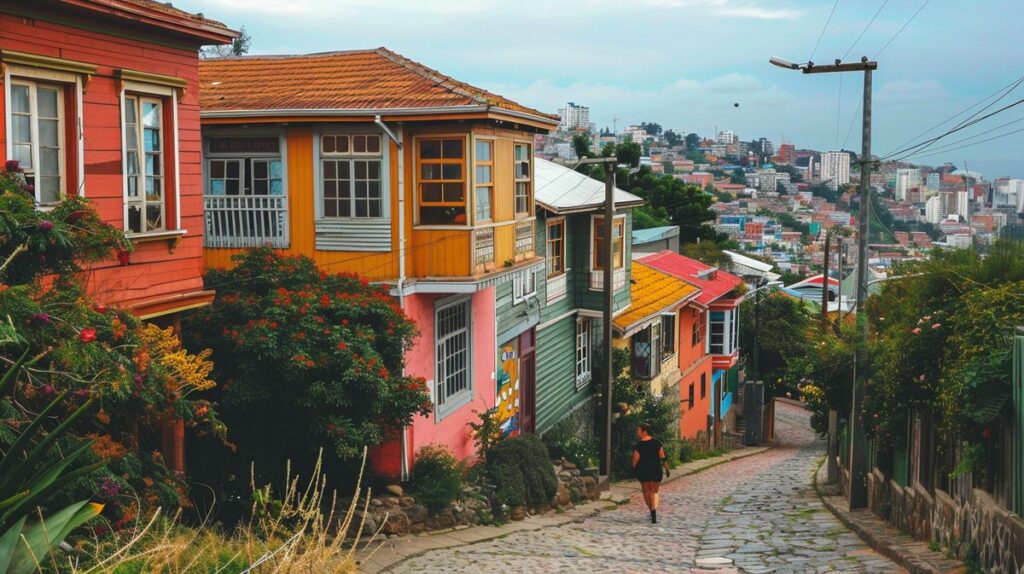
x: 794, y: 173
x: 692, y: 142
x: 782, y: 336
x: 707, y: 252
x: 652, y: 128
x: 629, y: 153
x: 316, y: 359
x: 646, y: 217
x: 672, y: 138
x: 581, y: 144
x: 238, y: 47
x: 738, y: 176
x: 824, y: 191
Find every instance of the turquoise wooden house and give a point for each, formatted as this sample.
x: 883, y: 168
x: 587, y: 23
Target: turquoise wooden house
x: 549, y: 318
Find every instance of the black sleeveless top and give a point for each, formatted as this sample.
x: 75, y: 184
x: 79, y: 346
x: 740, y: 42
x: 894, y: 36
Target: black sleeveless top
x: 648, y: 468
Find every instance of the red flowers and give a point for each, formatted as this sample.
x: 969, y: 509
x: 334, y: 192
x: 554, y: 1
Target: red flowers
x: 986, y: 434
x: 87, y: 335
x: 12, y: 165
x: 124, y: 257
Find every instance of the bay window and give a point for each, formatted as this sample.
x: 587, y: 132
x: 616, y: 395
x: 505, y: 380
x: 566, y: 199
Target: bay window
x: 524, y: 286
x: 36, y: 133
x: 724, y: 328
x: 600, y: 246
x: 483, y: 183
x: 441, y: 181
x: 523, y: 182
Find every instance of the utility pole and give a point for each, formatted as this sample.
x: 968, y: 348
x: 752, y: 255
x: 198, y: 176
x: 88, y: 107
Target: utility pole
x: 858, y: 440
x: 608, y: 227
x: 824, y: 280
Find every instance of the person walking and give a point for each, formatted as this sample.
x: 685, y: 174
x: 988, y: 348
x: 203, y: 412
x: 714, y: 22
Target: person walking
x: 648, y: 463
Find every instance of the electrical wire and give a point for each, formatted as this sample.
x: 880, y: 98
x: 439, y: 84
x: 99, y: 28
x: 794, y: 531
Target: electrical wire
x: 900, y: 31
x: 953, y: 144
x: 822, y: 35
x: 864, y: 31
x: 958, y: 128
x: 1000, y: 136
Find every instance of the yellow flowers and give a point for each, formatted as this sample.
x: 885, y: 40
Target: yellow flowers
x: 187, y: 371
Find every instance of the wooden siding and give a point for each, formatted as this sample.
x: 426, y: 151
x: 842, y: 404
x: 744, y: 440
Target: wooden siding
x: 586, y: 297
x: 557, y: 394
x: 158, y: 269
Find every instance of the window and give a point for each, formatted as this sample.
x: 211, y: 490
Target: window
x: 350, y: 176
x: 724, y: 338
x: 583, y: 372
x: 524, y: 237
x: 646, y: 352
x: 453, y: 354
x: 145, y: 161
x: 600, y: 255
x: 690, y: 397
x: 442, y: 181
x: 37, y: 137
x: 703, y: 385
x: 697, y: 336
x: 524, y: 196
x: 483, y: 190
x: 734, y: 329
x: 244, y: 176
x: 556, y: 247
x: 668, y: 336
x: 484, y: 246
x: 524, y: 286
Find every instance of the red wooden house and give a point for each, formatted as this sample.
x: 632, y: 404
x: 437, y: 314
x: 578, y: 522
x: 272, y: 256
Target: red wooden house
x: 100, y: 99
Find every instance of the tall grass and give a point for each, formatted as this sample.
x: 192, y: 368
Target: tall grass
x: 301, y: 532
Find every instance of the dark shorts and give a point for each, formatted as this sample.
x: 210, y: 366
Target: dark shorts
x: 649, y: 477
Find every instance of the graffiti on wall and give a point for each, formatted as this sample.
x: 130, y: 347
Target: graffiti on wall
x: 507, y: 388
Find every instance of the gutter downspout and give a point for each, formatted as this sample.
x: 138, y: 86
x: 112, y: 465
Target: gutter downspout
x: 397, y: 138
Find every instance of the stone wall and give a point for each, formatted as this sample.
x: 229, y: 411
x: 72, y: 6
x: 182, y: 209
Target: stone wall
x: 973, y: 528
x: 579, y: 422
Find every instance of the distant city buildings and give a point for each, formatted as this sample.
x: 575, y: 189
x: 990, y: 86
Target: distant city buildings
x: 835, y: 167
x: 907, y: 179
x: 574, y: 118
x: 727, y: 137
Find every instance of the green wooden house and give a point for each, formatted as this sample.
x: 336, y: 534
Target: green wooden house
x: 549, y: 319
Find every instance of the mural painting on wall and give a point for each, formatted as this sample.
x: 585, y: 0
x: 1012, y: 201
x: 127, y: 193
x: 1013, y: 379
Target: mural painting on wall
x: 508, y: 388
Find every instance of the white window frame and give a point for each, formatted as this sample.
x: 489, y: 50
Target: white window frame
x: 673, y: 351
x: 137, y: 102
x: 168, y: 96
x: 730, y: 331
x: 618, y: 273
x: 15, y: 73
x: 524, y: 286
x: 476, y: 185
x: 584, y: 346
x: 447, y: 403
x: 527, y: 180
x: 352, y: 156
x: 653, y: 330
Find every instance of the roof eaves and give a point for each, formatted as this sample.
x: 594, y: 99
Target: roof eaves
x: 339, y: 112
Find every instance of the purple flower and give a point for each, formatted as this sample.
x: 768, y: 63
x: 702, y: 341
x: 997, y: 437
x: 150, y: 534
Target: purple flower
x: 12, y: 165
x: 48, y: 389
x: 108, y: 488
x: 45, y: 225
x: 82, y: 392
x: 42, y: 318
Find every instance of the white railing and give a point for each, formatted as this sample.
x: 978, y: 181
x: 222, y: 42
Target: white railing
x: 556, y: 286
x: 618, y: 279
x: 245, y: 220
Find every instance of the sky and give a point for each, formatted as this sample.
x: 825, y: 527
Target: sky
x: 685, y: 63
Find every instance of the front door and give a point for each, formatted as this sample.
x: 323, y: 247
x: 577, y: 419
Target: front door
x: 527, y: 380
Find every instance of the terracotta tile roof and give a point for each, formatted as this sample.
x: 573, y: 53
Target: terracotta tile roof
x: 652, y: 293
x: 161, y: 14
x: 369, y: 80
x: 168, y: 8
x: 693, y: 271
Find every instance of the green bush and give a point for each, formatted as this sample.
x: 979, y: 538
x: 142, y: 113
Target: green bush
x: 687, y: 451
x: 579, y: 450
x: 436, y: 478
x: 520, y: 469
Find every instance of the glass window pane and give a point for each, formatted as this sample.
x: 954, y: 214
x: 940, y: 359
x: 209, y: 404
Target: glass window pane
x: 259, y: 169
x: 361, y: 209
x: 48, y: 135
x: 275, y: 169
x: 49, y: 189
x: 374, y: 172
x: 232, y: 186
x: 453, y: 192
x: 361, y: 190
x: 328, y: 145
x: 23, y: 153
x: 151, y: 114
x: 341, y: 144
x: 452, y: 149
x: 216, y: 186
x: 452, y: 171
x: 330, y: 189
x: 260, y: 187
x: 373, y: 144
x: 344, y: 170
x: 375, y: 209
x: 330, y: 170
x: 360, y: 169
x: 234, y: 169
x: 133, y: 186
x: 49, y: 162
x: 217, y: 169
x: 483, y: 174
x: 430, y: 171
x: 19, y: 97
x: 129, y: 110
x: 152, y: 164
x: 154, y: 217
x: 134, y: 219
x: 46, y: 102
x: 432, y: 192
x: 22, y: 129
x: 483, y: 151
x: 330, y: 209
x: 374, y: 189
x: 430, y: 149
x: 276, y: 187
x: 344, y: 189
x: 359, y: 144
x: 152, y: 139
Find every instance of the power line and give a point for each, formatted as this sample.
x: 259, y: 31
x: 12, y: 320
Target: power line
x: 853, y: 121
x: 1000, y: 136
x: 900, y: 31
x: 960, y: 127
x: 864, y: 31
x: 822, y: 35
x: 952, y: 144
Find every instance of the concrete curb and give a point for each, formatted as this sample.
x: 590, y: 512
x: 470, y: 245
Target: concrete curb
x: 393, y: 552
x: 909, y: 553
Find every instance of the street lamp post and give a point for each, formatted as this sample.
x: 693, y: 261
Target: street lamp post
x: 858, y: 440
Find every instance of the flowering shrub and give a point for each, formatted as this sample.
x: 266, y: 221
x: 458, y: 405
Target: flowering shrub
x: 307, y: 359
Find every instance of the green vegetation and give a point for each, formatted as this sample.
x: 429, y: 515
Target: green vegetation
x: 782, y: 335
x: 436, y: 478
x: 520, y: 469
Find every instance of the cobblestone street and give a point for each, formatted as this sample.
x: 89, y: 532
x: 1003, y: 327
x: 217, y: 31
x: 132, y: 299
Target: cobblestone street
x: 761, y: 513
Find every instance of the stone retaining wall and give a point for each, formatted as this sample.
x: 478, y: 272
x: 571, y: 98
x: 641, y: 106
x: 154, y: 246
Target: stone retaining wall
x: 975, y: 529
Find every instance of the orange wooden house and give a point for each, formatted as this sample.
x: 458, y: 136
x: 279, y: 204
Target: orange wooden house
x: 100, y: 99
x: 371, y: 163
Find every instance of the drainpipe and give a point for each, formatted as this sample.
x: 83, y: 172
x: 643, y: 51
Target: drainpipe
x: 397, y: 138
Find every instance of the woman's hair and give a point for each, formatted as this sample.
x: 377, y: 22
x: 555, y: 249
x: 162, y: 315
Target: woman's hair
x: 644, y: 427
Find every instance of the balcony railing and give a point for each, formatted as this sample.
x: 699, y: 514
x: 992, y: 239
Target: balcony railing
x: 245, y: 221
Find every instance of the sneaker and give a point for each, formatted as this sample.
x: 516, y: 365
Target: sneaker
x: 654, y: 517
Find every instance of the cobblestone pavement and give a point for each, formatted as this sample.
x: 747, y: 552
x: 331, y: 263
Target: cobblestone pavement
x: 760, y: 512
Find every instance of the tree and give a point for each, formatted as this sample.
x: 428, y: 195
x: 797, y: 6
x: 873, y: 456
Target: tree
x: 707, y: 252
x: 692, y: 142
x: 311, y: 360
x: 581, y: 144
x: 238, y: 47
x: 646, y: 217
x: 672, y: 138
x: 738, y: 176
x: 652, y: 128
x: 781, y: 336
x: 794, y: 173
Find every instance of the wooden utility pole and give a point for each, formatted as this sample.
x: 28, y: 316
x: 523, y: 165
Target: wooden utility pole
x: 858, y: 440
x: 608, y: 228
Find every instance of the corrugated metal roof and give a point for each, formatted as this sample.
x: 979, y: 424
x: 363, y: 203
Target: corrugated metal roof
x: 561, y: 189
x: 358, y: 80
x: 652, y: 234
x: 755, y: 264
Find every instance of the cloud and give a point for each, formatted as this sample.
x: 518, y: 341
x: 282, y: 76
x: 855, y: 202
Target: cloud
x: 910, y: 92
